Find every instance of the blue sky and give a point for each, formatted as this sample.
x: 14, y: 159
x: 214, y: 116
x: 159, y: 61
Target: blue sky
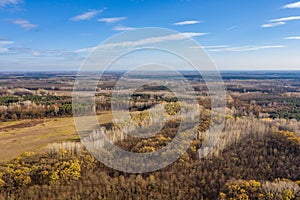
x: 239, y: 35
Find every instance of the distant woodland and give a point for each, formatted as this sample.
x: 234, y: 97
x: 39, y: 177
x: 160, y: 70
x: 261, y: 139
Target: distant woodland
x: 256, y: 157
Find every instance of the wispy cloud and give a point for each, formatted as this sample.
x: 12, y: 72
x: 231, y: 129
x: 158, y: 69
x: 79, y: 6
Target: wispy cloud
x: 20, y: 50
x: 20, y: 57
x: 190, y: 22
x: 246, y: 48
x: 231, y: 28
x: 123, y: 28
x: 280, y: 21
x: 285, y: 19
x: 25, y: 24
x: 209, y: 47
x: 112, y: 19
x: 216, y: 46
x: 152, y: 40
x: 3, y: 50
x: 50, y: 53
x: 3, y: 45
x: 4, y: 3
x: 292, y: 38
x: 292, y: 5
x: 189, y: 34
x: 273, y: 24
x: 179, y: 36
x: 5, y: 42
x: 85, y: 50
x: 86, y: 15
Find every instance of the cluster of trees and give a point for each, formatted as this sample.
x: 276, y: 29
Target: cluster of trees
x: 28, y: 169
x: 286, y: 114
x: 274, y: 106
x: 265, y: 167
x: 279, y: 189
x: 29, y: 110
x: 28, y: 106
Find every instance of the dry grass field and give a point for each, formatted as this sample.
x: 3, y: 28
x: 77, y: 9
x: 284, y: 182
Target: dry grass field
x: 17, y: 137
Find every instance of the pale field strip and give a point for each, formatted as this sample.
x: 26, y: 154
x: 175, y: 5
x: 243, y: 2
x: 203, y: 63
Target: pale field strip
x: 15, y: 141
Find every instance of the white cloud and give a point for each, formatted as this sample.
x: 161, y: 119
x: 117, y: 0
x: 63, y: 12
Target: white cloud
x: 4, y: 3
x: 216, y: 46
x: 151, y: 40
x: 19, y: 50
x: 209, y: 47
x: 292, y: 38
x: 86, y: 16
x: 292, y: 5
x: 187, y: 23
x: 36, y: 53
x: 85, y: 50
x: 3, y: 50
x: 285, y: 19
x: 280, y: 21
x: 56, y: 53
x: 17, y: 58
x: 231, y: 28
x: 5, y: 42
x: 179, y: 36
x: 25, y: 24
x: 112, y: 19
x: 246, y: 48
x: 123, y: 28
x: 273, y: 24
x: 190, y: 34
